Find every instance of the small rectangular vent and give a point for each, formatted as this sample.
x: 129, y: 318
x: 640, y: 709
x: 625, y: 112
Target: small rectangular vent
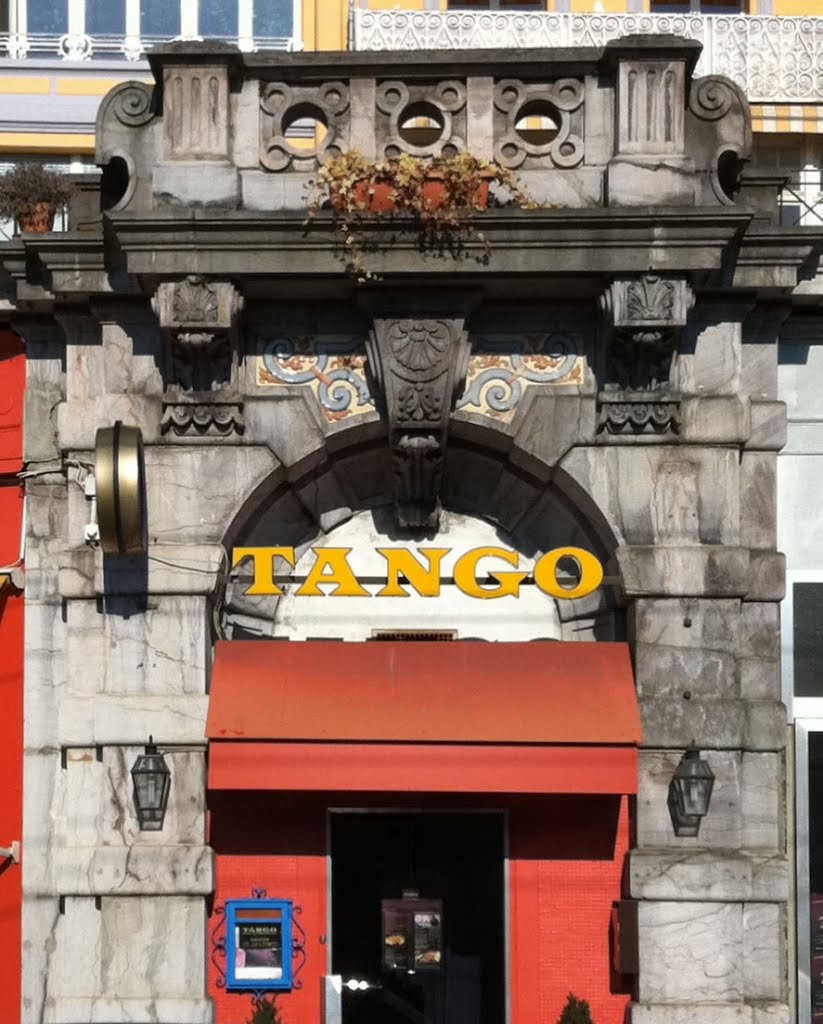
x: 414, y: 634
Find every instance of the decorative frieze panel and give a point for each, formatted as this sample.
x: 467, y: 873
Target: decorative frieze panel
x: 300, y: 126
x: 423, y: 120
x: 557, y: 107
x: 333, y: 367
x: 504, y: 365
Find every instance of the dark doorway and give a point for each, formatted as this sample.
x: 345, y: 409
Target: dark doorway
x: 448, y: 869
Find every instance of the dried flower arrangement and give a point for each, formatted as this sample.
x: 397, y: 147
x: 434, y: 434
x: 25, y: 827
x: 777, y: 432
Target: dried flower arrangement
x: 441, y: 195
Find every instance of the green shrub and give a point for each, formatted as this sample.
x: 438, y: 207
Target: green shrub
x: 576, y: 1011
x: 265, y: 1012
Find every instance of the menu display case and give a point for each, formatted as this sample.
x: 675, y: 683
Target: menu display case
x: 258, y: 945
x: 412, y: 934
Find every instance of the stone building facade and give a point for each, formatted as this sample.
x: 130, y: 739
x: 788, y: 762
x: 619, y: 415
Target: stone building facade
x: 599, y: 371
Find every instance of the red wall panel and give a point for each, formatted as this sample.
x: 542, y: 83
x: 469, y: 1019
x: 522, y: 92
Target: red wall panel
x: 566, y: 856
x: 11, y: 797
x: 12, y: 380
x: 280, y: 847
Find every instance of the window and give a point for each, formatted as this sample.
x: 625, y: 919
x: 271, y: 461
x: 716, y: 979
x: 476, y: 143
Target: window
x: 218, y: 18
x: 159, y: 18
x: 48, y: 16
x: 808, y: 639
x: 699, y: 7
x: 273, y: 19
x: 497, y: 5
x: 105, y: 17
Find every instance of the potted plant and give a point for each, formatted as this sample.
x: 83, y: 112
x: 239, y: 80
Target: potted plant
x: 32, y: 195
x: 441, y: 195
x: 576, y: 1011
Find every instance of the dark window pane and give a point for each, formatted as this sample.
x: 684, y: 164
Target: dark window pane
x: 48, y: 16
x: 808, y: 639
x: 497, y: 5
x: 159, y: 18
x: 669, y: 7
x: 106, y: 17
x: 218, y: 18
x: 815, y: 824
x: 272, y: 18
x: 4, y: 15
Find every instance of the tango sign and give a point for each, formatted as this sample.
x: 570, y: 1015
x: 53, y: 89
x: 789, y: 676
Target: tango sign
x: 486, y: 572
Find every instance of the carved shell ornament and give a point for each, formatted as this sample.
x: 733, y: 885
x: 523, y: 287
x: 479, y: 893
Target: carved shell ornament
x: 418, y: 344
x: 195, y: 301
x: 651, y: 298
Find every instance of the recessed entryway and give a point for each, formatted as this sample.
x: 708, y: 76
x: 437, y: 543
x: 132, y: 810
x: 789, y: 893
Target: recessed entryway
x: 418, y: 916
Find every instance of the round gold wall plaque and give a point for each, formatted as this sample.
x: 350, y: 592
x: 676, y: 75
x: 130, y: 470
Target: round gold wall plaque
x: 120, y: 489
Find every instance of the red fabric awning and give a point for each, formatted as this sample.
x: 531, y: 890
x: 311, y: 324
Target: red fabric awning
x: 451, y: 717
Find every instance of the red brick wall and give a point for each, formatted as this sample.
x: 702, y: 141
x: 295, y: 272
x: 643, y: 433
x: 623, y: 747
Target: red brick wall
x: 566, y: 860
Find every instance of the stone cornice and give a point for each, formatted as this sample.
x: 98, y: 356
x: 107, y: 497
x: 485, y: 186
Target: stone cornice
x: 716, y: 248
x: 523, y: 242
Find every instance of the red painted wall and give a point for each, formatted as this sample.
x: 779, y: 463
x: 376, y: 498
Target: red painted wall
x: 566, y: 856
x: 12, y: 380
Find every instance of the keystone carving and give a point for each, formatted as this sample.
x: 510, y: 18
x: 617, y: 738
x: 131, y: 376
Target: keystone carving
x: 419, y: 367
x: 199, y: 319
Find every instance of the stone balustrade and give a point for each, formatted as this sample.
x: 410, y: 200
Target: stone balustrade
x: 625, y: 124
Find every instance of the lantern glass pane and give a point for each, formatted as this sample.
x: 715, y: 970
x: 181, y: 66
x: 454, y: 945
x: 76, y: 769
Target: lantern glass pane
x: 693, y: 782
x: 152, y: 780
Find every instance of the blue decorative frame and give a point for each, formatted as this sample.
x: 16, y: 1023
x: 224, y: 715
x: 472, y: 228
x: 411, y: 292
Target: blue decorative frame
x: 281, y: 913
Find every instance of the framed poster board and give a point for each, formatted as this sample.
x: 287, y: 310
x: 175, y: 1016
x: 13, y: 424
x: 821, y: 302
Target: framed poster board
x: 258, y: 945
x: 412, y: 934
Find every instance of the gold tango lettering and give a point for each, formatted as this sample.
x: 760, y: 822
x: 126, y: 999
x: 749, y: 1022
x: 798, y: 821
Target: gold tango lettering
x: 418, y: 571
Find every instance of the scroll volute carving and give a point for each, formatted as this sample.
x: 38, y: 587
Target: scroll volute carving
x: 419, y: 366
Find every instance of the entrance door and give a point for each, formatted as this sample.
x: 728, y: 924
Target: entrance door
x: 429, y: 884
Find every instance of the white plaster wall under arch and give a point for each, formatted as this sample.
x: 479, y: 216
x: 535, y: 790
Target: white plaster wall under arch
x: 530, y: 616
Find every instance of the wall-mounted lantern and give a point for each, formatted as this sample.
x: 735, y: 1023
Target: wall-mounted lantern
x: 690, y: 793
x: 152, y: 781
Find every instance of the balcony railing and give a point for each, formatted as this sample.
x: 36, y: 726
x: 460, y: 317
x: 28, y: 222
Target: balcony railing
x: 82, y: 30
x: 773, y: 59
x: 83, y: 47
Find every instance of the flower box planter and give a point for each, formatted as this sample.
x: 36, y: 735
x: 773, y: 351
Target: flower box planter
x: 37, y: 219
x: 378, y: 196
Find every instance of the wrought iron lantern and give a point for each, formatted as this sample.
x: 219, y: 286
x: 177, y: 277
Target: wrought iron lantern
x: 152, y: 781
x: 690, y: 793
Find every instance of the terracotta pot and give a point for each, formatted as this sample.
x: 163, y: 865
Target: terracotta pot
x: 37, y: 219
x: 375, y: 196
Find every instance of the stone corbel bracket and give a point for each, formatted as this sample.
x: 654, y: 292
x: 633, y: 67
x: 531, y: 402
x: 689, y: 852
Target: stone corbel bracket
x: 419, y: 367
x: 200, y: 321
x: 643, y: 317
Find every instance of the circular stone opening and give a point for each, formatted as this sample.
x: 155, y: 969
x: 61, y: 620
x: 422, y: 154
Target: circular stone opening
x: 305, y: 127
x: 420, y: 124
x: 537, y: 123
